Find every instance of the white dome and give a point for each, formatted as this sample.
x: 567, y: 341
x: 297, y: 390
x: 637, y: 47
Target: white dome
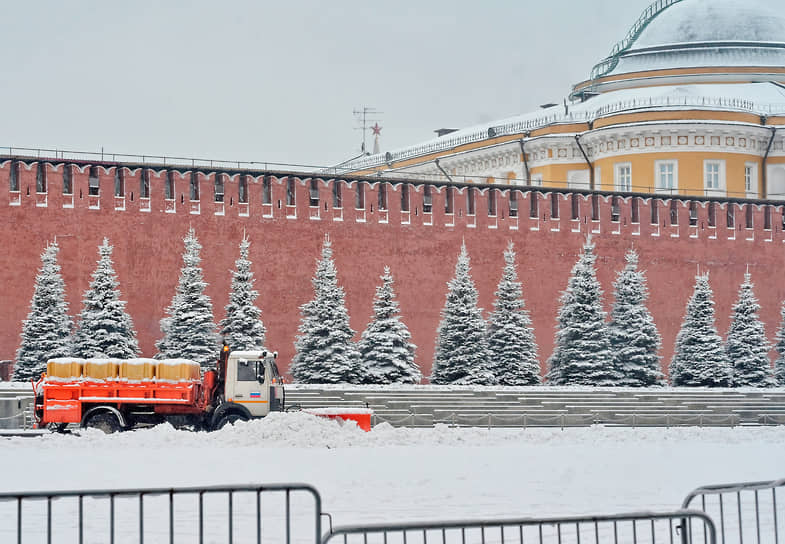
x: 693, y: 21
x: 745, y: 38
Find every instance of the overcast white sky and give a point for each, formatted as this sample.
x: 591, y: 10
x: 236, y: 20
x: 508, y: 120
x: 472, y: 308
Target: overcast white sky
x: 278, y: 81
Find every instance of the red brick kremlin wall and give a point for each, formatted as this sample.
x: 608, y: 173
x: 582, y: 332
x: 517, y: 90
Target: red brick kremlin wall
x: 420, y: 248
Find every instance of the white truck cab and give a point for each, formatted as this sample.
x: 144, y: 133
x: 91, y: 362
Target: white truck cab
x: 253, y: 381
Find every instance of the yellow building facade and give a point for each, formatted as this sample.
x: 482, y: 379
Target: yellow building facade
x: 690, y: 102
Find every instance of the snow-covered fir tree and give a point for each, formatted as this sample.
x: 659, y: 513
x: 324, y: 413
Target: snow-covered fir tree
x: 105, y: 329
x: 462, y: 355
x: 779, y: 364
x: 242, y: 328
x: 635, y: 341
x: 385, y: 347
x: 699, y: 358
x: 582, y: 353
x: 46, y: 333
x: 511, y: 341
x: 189, y: 329
x: 746, y: 344
x: 325, y: 352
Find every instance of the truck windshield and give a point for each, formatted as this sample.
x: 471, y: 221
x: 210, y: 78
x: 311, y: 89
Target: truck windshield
x: 246, y: 371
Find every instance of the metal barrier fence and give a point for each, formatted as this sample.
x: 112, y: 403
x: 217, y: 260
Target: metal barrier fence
x: 684, y: 526
x: 489, y: 420
x: 744, y: 512
x: 291, y: 513
x: 457, y: 419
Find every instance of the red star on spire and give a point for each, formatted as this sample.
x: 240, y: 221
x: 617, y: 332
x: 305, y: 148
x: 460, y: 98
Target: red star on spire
x: 376, y: 129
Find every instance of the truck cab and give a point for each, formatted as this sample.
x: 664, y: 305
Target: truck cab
x: 253, y: 382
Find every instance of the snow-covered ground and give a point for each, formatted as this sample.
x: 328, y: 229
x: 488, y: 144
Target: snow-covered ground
x: 398, y: 474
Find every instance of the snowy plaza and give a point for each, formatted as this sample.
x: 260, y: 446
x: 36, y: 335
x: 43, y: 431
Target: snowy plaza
x: 405, y: 475
x: 561, y: 326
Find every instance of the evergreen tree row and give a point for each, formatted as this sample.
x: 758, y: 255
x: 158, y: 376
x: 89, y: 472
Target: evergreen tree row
x: 624, y: 351
x: 701, y: 358
x: 325, y: 351
x: 588, y: 350
x: 105, y: 330
x: 467, y: 351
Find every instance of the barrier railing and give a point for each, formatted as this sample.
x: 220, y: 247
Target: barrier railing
x: 292, y: 513
x: 751, y: 512
x: 153, y: 160
x: 490, y: 419
x: 685, y: 526
x: 285, y: 513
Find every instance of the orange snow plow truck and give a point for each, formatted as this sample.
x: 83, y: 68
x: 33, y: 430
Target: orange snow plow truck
x: 116, y: 394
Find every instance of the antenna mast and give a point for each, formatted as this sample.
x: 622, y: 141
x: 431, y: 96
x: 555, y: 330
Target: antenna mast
x: 365, y: 117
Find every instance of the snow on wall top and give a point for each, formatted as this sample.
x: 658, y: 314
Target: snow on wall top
x: 716, y: 20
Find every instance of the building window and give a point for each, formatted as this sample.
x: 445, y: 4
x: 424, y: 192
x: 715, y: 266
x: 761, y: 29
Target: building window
x: 712, y: 214
x: 337, y: 202
x: 635, y: 211
x: 666, y: 176
x: 13, y: 177
x: 714, y: 177
x: 554, y: 205
x: 427, y: 199
x: 492, y: 202
x: 575, y: 208
x: 674, y: 212
x: 513, y: 203
x: 313, y: 194
x: 655, y: 212
x: 40, y: 178
x: 405, y: 197
x: 751, y: 179
x: 767, y: 217
x: 218, y: 191
x: 267, y: 190
x: 595, y: 207
x: 748, y: 216
x: 194, y: 186
x: 623, y: 179
x: 693, y: 213
x: 578, y: 179
x: 730, y: 220
x: 119, y: 182
x: 382, y: 202
x: 359, y: 196
x: 449, y: 201
x: 93, y: 187
x: 68, y: 179
x: 144, y: 184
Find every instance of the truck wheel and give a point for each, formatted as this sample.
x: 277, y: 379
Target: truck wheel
x: 230, y: 418
x: 104, y: 421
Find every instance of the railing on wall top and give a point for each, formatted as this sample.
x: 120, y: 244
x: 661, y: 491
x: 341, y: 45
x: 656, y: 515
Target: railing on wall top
x: 580, y: 114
